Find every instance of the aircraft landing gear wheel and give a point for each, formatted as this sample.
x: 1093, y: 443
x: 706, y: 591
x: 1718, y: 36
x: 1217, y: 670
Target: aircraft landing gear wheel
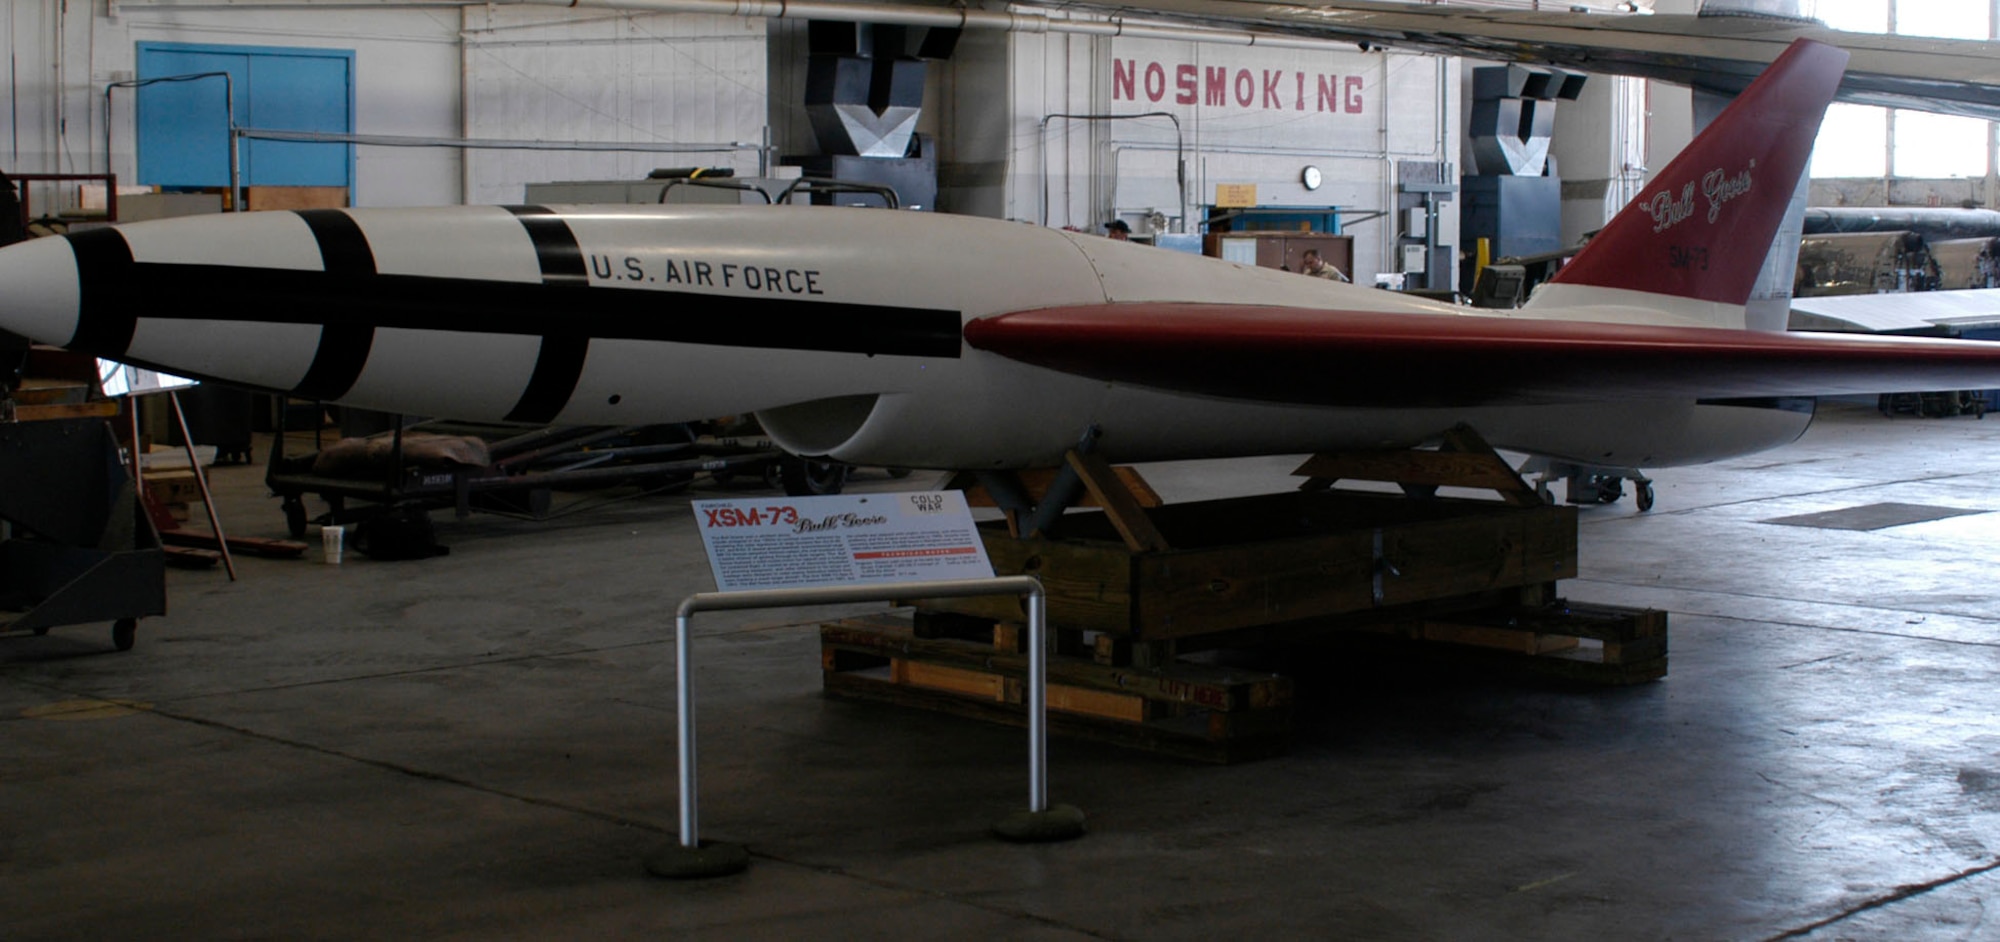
x: 809, y: 478
x: 295, y: 517
x: 123, y: 632
x: 1645, y: 496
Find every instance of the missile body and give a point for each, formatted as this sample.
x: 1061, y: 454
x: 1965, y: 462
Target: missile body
x: 841, y: 328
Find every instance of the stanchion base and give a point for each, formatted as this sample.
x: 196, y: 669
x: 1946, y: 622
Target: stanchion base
x: 711, y: 859
x: 1058, y: 823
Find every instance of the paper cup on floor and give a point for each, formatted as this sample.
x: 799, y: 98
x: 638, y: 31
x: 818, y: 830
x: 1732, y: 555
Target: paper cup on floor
x: 332, y: 540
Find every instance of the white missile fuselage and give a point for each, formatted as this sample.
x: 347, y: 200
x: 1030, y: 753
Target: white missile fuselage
x: 842, y: 329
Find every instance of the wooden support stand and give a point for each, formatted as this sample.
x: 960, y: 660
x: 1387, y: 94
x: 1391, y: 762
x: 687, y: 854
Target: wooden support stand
x: 1135, y: 587
x: 1593, y: 644
x: 1194, y: 711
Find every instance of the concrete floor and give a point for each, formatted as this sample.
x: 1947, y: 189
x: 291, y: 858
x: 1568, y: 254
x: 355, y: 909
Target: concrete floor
x: 480, y: 746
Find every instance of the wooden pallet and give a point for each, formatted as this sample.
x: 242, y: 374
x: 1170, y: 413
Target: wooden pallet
x: 1595, y: 644
x: 1194, y: 711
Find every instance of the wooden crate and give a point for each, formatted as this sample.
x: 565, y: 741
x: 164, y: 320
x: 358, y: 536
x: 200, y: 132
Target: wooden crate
x: 1195, y: 711
x: 173, y: 487
x: 1278, y: 558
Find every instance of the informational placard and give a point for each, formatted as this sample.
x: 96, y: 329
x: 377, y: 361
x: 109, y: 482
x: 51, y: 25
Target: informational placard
x: 118, y: 379
x: 1235, y: 195
x: 795, y: 542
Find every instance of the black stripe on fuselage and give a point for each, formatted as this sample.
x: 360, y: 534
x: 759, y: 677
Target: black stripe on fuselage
x: 343, y: 347
x: 421, y: 302
x: 559, y: 363
x: 109, y: 293
x: 1804, y: 405
x: 555, y: 246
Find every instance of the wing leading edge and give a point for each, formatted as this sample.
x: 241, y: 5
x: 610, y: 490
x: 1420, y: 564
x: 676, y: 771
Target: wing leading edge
x: 1375, y: 359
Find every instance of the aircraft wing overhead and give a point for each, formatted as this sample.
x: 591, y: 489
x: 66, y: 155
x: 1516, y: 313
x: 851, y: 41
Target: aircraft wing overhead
x: 1723, y: 53
x: 1377, y: 359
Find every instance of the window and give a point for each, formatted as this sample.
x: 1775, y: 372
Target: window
x: 1860, y: 141
x: 1853, y: 142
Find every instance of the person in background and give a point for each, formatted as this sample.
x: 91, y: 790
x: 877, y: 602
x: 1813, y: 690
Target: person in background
x: 1117, y: 229
x: 1311, y: 264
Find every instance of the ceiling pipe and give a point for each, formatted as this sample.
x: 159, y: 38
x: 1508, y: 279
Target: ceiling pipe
x: 946, y: 17
x: 895, y: 14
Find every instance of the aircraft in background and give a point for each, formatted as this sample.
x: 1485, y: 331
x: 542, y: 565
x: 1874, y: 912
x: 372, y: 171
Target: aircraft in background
x: 932, y: 341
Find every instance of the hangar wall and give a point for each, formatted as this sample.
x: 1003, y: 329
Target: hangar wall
x: 544, y: 75
x: 527, y: 74
x: 407, y: 68
x: 1238, y: 115
x: 1233, y: 115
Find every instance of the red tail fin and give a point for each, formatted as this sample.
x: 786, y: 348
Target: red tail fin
x: 1701, y: 229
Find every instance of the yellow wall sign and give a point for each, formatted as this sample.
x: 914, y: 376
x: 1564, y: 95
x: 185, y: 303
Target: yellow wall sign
x: 1235, y: 194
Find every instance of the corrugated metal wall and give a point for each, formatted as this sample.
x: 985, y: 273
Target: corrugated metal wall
x: 536, y: 74
x: 528, y: 74
x: 550, y: 74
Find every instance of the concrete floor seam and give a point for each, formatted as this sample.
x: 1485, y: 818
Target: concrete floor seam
x: 1795, y: 624
x: 1898, y: 895
x: 1805, y: 626
x: 1583, y: 519
x: 458, y: 666
x: 609, y: 818
x: 411, y: 771
x: 844, y: 873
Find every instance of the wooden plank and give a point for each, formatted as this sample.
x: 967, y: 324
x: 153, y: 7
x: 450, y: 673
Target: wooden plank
x: 181, y: 557
x: 1198, y: 685
x: 38, y: 391
x: 972, y: 683
x: 1609, y: 623
x: 254, y: 545
x: 1111, y: 706
x: 103, y: 409
x: 1176, y: 738
x: 1549, y: 545
x: 1254, y: 561
x: 1438, y: 468
x: 1464, y: 460
x: 1190, y: 593
x: 1463, y: 438
x: 1501, y: 639
x: 294, y: 197
x: 1633, y: 646
x: 1593, y: 672
x: 1448, y: 558
x: 1121, y: 506
x: 1089, y: 585
x: 1036, y: 482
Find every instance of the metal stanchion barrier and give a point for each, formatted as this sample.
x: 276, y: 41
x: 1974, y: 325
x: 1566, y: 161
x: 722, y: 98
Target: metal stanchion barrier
x: 690, y: 857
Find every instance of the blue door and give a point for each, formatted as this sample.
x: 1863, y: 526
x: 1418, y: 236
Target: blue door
x: 184, y: 138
